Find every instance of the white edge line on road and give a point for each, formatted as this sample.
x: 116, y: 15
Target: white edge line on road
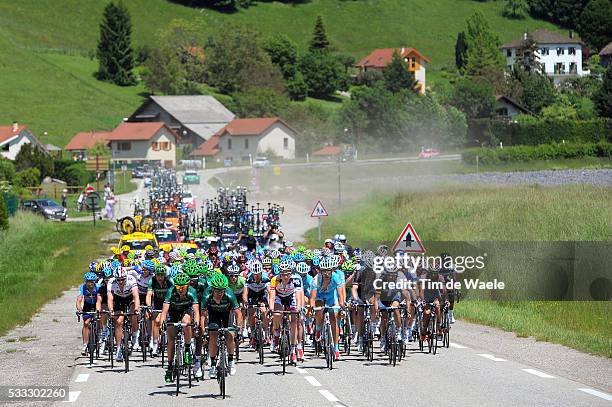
x: 457, y: 346
x: 82, y: 378
x: 312, y: 381
x: 599, y: 394
x: 301, y: 370
x: 72, y: 396
x: 327, y: 394
x: 539, y: 373
x: 491, y: 357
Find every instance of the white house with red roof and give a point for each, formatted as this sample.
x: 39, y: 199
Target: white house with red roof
x: 132, y: 142
x: 13, y: 137
x: 379, y: 58
x: 243, y: 137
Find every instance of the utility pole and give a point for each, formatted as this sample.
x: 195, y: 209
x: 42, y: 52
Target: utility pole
x: 339, y: 184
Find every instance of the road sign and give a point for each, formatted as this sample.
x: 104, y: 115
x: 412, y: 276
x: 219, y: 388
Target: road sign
x: 409, y: 241
x: 276, y: 170
x: 101, y: 165
x: 318, y: 211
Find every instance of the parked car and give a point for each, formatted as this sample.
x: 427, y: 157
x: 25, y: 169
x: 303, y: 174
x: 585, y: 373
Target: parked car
x: 46, y: 207
x: 138, y: 172
x: 191, y: 177
x: 428, y: 153
x: 147, y: 182
x: 261, y: 162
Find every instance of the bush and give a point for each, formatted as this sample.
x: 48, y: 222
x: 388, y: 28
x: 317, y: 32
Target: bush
x: 7, y: 170
x: 28, y: 178
x: 4, y: 223
x: 493, y: 156
x: 76, y: 174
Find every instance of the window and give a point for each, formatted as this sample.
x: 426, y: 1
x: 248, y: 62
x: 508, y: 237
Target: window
x: 502, y: 111
x: 559, y: 68
x: 543, y: 68
x: 544, y: 50
x: 286, y: 143
x: 573, y: 68
x: 155, y: 146
x: 229, y: 143
x: 508, y: 52
x: 560, y: 51
x: 165, y: 145
x: 246, y: 143
x: 571, y: 51
x: 124, y: 146
x: 413, y: 62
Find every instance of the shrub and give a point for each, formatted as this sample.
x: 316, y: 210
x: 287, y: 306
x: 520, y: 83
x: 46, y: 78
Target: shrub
x: 492, y: 156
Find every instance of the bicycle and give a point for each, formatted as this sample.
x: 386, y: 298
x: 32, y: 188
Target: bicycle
x: 445, y: 325
x: 430, y: 332
x: 368, y: 335
x: 327, y: 336
x: 417, y: 332
x: 347, y: 331
x: 92, y: 340
x: 110, y: 337
x: 258, y: 333
x: 180, y: 366
x: 392, y: 348
x: 163, y: 340
x: 222, y: 361
x: 125, y: 341
x: 284, y: 347
x: 144, y: 332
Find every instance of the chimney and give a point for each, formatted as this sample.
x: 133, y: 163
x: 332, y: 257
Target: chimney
x: 402, y: 51
x: 15, y: 127
x: 525, y: 36
x: 571, y: 34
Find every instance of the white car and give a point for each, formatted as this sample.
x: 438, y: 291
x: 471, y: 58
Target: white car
x: 189, y: 200
x: 260, y: 162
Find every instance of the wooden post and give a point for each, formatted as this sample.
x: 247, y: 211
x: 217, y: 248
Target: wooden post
x: 97, y: 173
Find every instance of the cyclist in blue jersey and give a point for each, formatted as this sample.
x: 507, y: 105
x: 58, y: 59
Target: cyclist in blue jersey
x: 86, y: 302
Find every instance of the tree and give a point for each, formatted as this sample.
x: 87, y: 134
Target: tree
x: 235, y: 61
x: 538, y: 90
x: 346, y: 60
x: 482, y: 46
x: 319, y: 41
x: 603, y: 97
x: 28, y: 178
x: 516, y: 9
x: 101, y: 149
x: 526, y: 56
x: 7, y: 170
x: 283, y: 52
x: 297, y: 87
x: 396, y: 75
x: 115, y: 54
x: 473, y: 98
x: 30, y: 156
x: 4, y: 222
x: 322, y: 73
x: 259, y: 102
x: 460, y: 51
x: 595, y: 23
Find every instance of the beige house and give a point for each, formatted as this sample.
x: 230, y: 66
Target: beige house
x: 378, y: 59
x: 244, y: 137
x: 153, y: 142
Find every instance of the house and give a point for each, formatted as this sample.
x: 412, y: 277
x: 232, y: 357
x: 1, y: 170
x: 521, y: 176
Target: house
x: 152, y: 142
x: 13, y: 137
x: 507, y: 109
x: 559, y: 55
x: 193, y: 118
x: 380, y: 58
x: 329, y: 151
x: 244, y: 137
x: 83, y: 141
x: 605, y: 55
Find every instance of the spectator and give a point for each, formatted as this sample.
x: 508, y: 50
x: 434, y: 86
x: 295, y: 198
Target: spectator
x: 110, y: 203
x: 65, y: 198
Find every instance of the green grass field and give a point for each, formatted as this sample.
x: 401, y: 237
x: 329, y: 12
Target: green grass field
x: 477, y: 214
x: 46, y: 262
x: 47, y: 78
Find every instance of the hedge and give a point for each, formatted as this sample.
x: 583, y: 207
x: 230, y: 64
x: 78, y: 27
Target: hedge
x: 488, y: 156
x: 542, y: 131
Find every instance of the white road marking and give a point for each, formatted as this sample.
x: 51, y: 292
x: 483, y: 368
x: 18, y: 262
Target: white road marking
x: 457, y: 346
x: 539, y: 373
x: 491, y: 357
x: 599, y: 394
x: 72, y: 396
x: 327, y: 394
x: 312, y: 381
x: 301, y: 370
x: 82, y: 378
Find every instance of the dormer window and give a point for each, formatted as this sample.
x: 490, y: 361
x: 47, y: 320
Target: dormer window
x: 560, y: 51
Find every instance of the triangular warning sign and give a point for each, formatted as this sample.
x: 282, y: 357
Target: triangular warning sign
x: 409, y: 241
x: 318, y: 210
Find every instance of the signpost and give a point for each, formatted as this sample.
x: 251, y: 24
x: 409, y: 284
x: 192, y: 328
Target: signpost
x: 97, y: 164
x: 318, y: 212
x: 409, y: 241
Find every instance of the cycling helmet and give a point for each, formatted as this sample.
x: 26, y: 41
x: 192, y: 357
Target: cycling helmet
x: 174, y: 255
x: 92, y: 266
x: 342, y: 238
x: 201, y: 268
x: 90, y: 276
x: 115, y: 250
x: 316, y: 261
x: 301, y: 249
x: 326, y: 251
x: 256, y: 267
x: 317, y: 252
x: 148, y: 247
x: 338, y: 247
x: 335, y: 259
x: 174, y: 270
x: 233, y: 270
x: 108, y: 272
x: 125, y: 248
x: 219, y: 282
x: 119, y: 273
x: 298, y: 256
x: 181, y: 279
x: 285, y: 265
x: 127, y: 262
x: 266, y: 261
x: 149, y: 254
x: 190, y: 269
x: 347, y: 266
x: 160, y: 269
x: 302, y: 268
x: 326, y: 264
x: 213, y: 250
x: 276, y: 262
x: 148, y: 265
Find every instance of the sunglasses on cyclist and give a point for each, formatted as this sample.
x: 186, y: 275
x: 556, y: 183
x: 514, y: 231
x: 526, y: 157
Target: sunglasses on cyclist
x: 178, y: 287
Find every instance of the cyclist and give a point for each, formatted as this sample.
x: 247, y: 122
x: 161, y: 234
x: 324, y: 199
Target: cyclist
x: 143, y: 280
x: 286, y: 293
x: 180, y: 305
x: 218, y: 304
x: 102, y: 302
x: 122, y: 294
x: 86, y: 302
x: 199, y: 284
x: 303, y: 269
x: 388, y: 295
x: 431, y: 295
x: 448, y: 273
x: 256, y: 292
x: 158, y: 286
x: 326, y: 291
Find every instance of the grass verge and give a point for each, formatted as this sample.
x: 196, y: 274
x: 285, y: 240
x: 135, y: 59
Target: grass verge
x: 45, y: 262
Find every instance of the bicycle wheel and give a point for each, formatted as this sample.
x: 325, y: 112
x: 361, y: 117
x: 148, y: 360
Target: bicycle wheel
x: 111, y: 343
x: 260, y: 344
x: 331, y: 350
x: 91, y: 341
x: 128, y: 225
x: 126, y: 346
x: 162, y: 347
x: 283, y: 349
x: 221, y: 370
x: 237, y: 346
x: 447, y: 331
x: 347, y: 335
x: 435, y: 336
x: 178, y: 363
x: 143, y: 339
x: 146, y: 224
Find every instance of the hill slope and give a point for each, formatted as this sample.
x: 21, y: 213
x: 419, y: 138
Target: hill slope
x: 54, y: 92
